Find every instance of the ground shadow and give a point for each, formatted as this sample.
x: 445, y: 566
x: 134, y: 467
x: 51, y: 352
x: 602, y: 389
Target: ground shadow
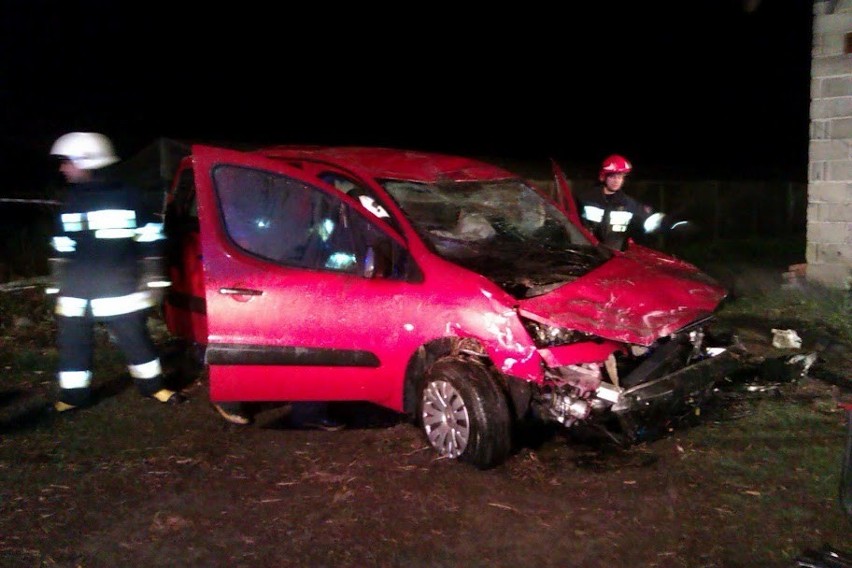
x: 22, y: 410
x: 353, y: 415
x: 10, y: 396
x: 110, y: 388
x: 26, y: 410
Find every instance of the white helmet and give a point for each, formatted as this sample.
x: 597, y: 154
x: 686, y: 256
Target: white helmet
x: 87, y: 150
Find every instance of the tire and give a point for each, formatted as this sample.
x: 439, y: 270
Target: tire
x: 464, y: 415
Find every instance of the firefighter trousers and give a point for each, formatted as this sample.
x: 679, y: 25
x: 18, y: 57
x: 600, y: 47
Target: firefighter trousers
x: 76, y: 353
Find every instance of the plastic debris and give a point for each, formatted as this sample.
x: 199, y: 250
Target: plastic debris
x: 786, y: 339
x: 803, y: 361
x: 827, y: 557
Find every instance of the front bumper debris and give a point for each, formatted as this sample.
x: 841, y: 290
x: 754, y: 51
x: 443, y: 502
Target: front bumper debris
x: 679, y: 386
x: 652, y: 405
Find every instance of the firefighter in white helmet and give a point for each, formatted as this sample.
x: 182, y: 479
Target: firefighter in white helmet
x: 612, y: 215
x: 106, y: 268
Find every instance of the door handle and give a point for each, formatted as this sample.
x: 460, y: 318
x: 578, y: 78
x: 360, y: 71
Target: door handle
x: 240, y: 292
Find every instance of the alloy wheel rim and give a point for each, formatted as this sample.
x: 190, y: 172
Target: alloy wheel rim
x: 445, y: 419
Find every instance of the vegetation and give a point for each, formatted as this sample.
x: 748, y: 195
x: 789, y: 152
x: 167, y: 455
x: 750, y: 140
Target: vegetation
x: 814, y: 307
x: 752, y: 481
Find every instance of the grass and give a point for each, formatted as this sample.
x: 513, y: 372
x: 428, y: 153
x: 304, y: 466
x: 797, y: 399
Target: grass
x: 814, y: 305
x: 759, y: 487
x: 752, y: 269
x: 778, y: 468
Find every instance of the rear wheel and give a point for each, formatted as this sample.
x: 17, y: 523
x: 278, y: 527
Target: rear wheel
x: 464, y: 414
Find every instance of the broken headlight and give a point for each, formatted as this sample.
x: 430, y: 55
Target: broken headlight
x: 550, y: 336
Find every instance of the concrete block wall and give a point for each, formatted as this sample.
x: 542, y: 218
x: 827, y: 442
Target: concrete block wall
x: 829, y: 224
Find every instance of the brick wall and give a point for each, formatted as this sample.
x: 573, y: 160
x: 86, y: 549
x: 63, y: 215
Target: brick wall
x: 829, y: 216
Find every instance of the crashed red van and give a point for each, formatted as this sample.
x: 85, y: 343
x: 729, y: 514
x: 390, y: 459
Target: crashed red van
x: 438, y: 286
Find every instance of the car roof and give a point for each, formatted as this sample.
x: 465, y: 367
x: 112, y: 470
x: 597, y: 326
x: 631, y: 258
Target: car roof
x: 398, y: 164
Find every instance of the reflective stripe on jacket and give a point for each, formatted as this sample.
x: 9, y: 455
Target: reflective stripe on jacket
x: 612, y: 218
x: 102, y: 233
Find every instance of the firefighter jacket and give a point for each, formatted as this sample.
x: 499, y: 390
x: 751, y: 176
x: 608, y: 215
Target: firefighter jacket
x: 106, y: 252
x: 612, y: 218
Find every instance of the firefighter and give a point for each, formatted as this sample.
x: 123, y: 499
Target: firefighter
x: 106, y: 268
x: 612, y: 215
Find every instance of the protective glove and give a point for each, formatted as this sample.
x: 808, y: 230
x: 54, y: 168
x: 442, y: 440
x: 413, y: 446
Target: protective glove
x: 653, y: 222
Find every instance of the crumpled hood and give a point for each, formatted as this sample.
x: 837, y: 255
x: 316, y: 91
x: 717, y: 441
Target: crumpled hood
x: 635, y: 297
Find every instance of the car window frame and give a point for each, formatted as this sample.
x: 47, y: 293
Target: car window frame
x: 353, y: 207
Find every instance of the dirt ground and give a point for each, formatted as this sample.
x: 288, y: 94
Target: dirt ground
x: 130, y: 482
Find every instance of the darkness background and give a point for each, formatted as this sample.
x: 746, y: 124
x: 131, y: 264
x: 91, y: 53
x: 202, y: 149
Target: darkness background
x: 706, y: 89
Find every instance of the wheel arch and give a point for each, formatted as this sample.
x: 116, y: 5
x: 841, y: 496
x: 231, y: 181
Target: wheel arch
x: 518, y: 392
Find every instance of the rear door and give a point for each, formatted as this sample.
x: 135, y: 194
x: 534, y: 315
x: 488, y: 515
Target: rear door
x: 292, y: 312
x: 184, y: 306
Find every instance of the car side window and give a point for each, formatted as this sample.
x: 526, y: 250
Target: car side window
x: 366, y: 197
x: 287, y: 221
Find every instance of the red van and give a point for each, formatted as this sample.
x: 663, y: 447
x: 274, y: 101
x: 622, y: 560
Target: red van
x: 438, y: 286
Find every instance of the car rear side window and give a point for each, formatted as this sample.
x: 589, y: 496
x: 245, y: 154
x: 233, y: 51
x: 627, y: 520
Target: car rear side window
x: 181, y: 211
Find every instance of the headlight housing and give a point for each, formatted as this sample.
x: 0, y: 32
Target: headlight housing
x: 549, y: 336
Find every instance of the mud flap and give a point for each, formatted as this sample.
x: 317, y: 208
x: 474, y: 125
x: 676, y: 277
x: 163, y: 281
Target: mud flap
x: 647, y: 407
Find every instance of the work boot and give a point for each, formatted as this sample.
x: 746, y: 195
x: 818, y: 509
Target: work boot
x: 153, y: 388
x: 168, y: 396
x: 60, y: 406
x: 72, y: 399
x: 314, y: 416
x: 233, y: 412
x: 323, y: 423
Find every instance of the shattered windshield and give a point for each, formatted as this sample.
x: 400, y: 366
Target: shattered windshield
x: 503, y: 229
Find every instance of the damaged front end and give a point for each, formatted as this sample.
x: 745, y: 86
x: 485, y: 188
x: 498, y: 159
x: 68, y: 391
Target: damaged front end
x: 634, y: 389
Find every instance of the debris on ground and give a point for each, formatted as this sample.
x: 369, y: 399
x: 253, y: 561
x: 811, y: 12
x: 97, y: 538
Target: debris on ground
x: 827, y: 557
x: 786, y: 339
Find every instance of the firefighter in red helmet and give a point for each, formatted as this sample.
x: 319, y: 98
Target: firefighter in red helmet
x: 611, y: 214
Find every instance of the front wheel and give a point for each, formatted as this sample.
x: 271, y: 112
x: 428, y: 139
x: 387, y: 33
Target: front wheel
x: 464, y: 414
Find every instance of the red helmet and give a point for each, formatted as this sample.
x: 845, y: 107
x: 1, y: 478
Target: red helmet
x: 614, y: 164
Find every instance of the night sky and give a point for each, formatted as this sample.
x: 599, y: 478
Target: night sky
x: 718, y: 88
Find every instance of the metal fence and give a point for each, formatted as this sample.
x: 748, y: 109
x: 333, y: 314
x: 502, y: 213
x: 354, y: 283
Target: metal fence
x: 721, y: 209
